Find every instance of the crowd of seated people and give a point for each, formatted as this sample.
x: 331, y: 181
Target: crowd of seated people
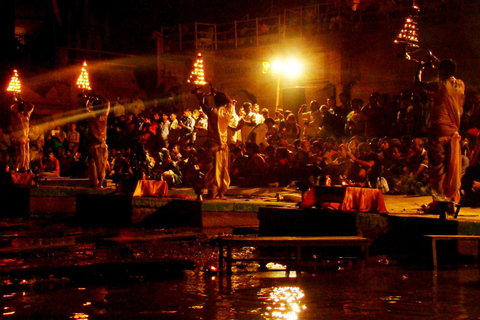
x: 353, y: 143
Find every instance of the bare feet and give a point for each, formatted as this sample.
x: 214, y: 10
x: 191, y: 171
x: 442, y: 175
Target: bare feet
x: 210, y: 195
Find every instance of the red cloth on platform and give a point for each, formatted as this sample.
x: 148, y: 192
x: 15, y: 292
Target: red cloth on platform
x: 355, y: 200
x: 363, y: 200
x: 23, y: 179
x: 152, y: 188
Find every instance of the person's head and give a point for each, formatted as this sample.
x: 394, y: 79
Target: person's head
x: 384, y: 144
x: 305, y: 145
x: 21, y: 106
x: 374, y: 97
x: 447, y: 69
x: 331, y: 103
x: 331, y: 143
x: 237, y: 152
x: 173, y: 116
x: 317, y: 147
x: 417, y: 145
x: 297, y: 143
x: 247, y: 106
x: 187, y: 113
x: 374, y: 144
x: 314, y: 105
x: 167, y: 158
x: 291, y: 118
x: 269, y: 122
x: 364, y: 149
x: 342, y: 151
x: 357, y: 104
x: 281, y: 153
x: 251, y: 148
x: 265, y: 113
x: 256, y: 108
x: 51, y: 156
x: 98, y: 105
x: 324, y: 109
x: 270, y: 151
x: 396, y: 154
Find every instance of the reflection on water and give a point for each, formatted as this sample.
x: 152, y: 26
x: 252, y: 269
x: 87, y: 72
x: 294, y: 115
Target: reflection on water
x: 282, y: 302
x: 376, y: 292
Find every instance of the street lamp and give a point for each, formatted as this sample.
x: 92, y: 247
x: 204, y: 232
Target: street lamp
x: 290, y: 68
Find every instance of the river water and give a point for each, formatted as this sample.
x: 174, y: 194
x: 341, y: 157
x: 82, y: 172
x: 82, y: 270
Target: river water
x: 380, y: 291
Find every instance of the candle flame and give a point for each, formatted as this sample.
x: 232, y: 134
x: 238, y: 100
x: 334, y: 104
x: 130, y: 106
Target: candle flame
x: 197, y: 76
x: 14, y: 84
x: 83, y: 82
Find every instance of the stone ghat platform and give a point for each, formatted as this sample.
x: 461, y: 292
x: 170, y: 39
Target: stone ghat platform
x: 268, y: 212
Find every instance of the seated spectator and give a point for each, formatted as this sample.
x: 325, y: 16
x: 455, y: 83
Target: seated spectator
x: 355, y: 123
x: 66, y: 164
x: 415, y: 180
x: 255, y: 166
x: 339, y: 165
x: 171, y: 172
x: 290, y: 129
x: 395, y: 170
x: 471, y: 181
x: 366, y: 168
x: 51, y: 167
x: 282, y: 169
x: 238, y: 167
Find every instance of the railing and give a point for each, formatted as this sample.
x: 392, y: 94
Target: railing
x: 300, y: 22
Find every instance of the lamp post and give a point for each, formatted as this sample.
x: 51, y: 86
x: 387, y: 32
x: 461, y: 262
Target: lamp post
x: 290, y: 67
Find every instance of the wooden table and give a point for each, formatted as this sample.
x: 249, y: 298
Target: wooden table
x: 286, y: 242
x: 437, y: 237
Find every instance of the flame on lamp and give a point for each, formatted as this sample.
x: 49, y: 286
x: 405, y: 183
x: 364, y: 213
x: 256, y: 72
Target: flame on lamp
x: 14, y: 84
x: 409, y: 33
x: 83, y: 82
x: 197, y: 76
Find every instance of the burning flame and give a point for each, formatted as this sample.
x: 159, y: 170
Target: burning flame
x: 198, y: 76
x: 14, y: 83
x: 83, y: 82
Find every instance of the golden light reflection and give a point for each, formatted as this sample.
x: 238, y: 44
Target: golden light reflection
x: 79, y: 315
x: 284, y: 302
x: 14, y: 84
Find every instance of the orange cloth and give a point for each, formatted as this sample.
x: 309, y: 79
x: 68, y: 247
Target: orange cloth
x: 152, y: 188
x: 363, y: 200
x: 355, y: 200
x: 23, y: 179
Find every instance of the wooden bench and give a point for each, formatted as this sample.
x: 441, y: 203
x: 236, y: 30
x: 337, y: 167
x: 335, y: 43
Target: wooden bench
x: 286, y: 242
x: 435, y: 238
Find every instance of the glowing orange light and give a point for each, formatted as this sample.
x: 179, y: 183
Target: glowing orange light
x: 14, y: 84
x: 410, y: 29
x: 83, y: 82
x: 197, y: 76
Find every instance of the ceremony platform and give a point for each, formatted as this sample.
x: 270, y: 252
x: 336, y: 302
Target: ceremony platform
x: 263, y: 211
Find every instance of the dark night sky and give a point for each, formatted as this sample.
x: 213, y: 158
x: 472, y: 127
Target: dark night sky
x: 126, y: 26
